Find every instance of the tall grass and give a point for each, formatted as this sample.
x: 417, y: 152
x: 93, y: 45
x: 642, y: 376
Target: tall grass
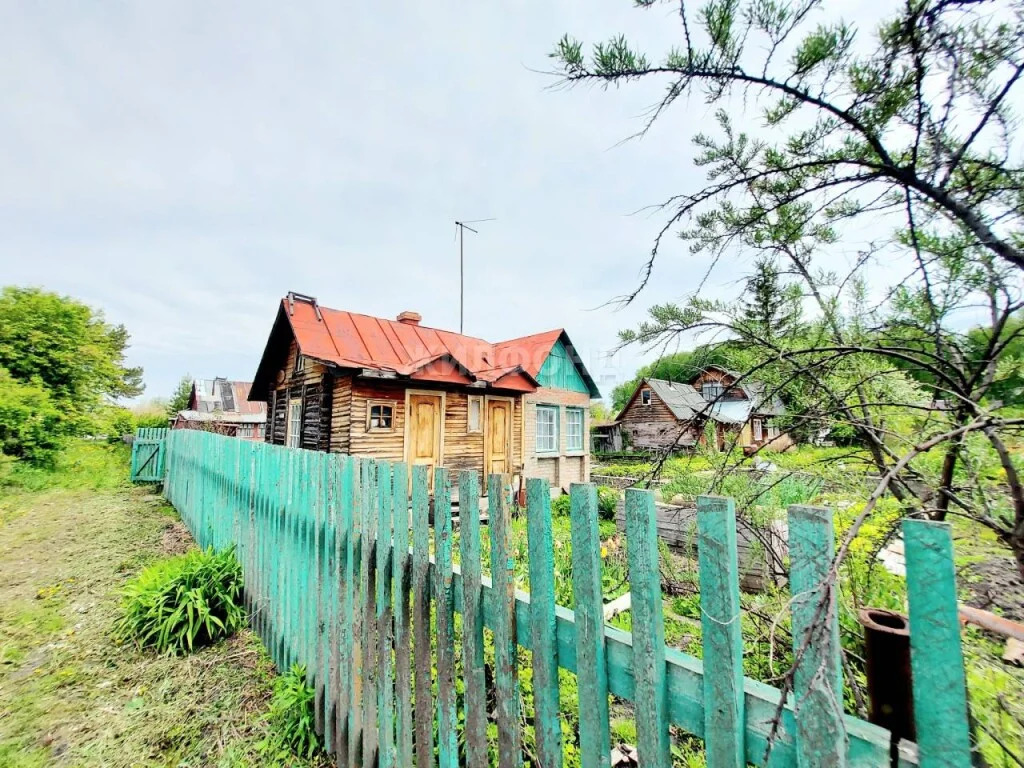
x: 83, y: 465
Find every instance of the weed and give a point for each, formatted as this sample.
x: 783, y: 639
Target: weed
x: 184, y: 602
x: 292, y: 731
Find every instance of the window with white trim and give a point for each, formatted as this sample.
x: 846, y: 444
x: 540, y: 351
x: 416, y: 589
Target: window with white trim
x: 758, y: 431
x: 380, y: 416
x: 547, y: 429
x: 574, y: 429
x: 712, y: 390
x: 294, y: 423
x: 474, y: 422
x: 645, y: 397
x: 300, y: 362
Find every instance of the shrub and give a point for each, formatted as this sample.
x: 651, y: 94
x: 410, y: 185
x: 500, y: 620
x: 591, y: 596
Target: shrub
x: 184, y: 602
x: 561, y: 506
x: 293, y: 732
x: 607, y: 501
x: 31, y: 426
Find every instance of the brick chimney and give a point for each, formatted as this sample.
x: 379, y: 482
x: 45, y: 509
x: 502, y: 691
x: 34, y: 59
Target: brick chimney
x: 409, y: 318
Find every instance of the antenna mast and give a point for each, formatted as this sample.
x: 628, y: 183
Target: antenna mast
x: 460, y: 227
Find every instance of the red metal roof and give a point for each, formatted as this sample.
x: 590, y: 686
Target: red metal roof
x: 351, y: 340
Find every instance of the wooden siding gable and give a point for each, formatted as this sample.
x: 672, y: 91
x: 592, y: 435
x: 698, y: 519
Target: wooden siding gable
x: 560, y: 371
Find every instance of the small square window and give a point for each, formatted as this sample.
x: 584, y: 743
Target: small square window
x: 645, y: 397
x: 379, y: 416
x: 473, y: 420
x: 712, y: 390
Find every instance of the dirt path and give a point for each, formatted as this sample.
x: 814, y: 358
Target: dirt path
x: 68, y: 695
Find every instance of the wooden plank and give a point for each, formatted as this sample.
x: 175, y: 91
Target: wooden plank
x: 591, y: 671
x: 384, y: 618
x: 547, y: 724
x: 936, y: 657
x: 332, y: 578
x: 506, y: 652
x: 348, y: 544
x: 401, y: 565
x: 358, y: 615
x: 474, y: 678
x: 720, y: 631
x: 368, y: 636
x: 424, y: 717
x: 817, y: 679
x: 447, y: 741
x: 648, y: 630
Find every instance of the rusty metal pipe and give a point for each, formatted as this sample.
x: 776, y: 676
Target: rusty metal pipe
x: 887, y: 647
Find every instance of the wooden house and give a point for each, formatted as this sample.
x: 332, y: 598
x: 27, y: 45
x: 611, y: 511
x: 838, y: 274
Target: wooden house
x: 398, y: 390
x: 665, y: 415
x: 222, y: 406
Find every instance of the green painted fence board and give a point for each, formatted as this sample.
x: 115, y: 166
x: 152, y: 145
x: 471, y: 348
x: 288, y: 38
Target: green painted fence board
x: 936, y: 658
x: 591, y: 671
x: 447, y: 717
x: 424, y: 711
x: 385, y: 619
x: 474, y: 679
x: 817, y: 679
x: 547, y: 724
x: 347, y: 547
x: 648, y: 630
x: 720, y: 631
x: 368, y: 631
x: 401, y: 576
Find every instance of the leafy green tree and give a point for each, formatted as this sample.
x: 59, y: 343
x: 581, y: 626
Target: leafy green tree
x: 180, y: 397
x: 770, y: 308
x: 31, y: 426
x: 68, y: 348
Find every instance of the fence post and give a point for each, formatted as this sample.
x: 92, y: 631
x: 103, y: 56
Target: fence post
x: 403, y: 646
x: 475, y: 704
x: 506, y: 655
x: 447, y: 743
x: 724, y: 723
x: 817, y: 679
x: 421, y: 616
x: 936, y: 658
x: 648, y: 630
x: 591, y: 672
x: 385, y: 618
x: 547, y: 725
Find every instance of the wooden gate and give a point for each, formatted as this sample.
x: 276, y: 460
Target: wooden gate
x: 349, y: 573
x: 148, y: 455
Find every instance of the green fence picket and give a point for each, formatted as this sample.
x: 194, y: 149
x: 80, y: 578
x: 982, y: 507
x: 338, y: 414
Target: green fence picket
x: 936, y: 658
x: 401, y: 576
x: 447, y: 738
x: 720, y: 631
x: 475, y: 684
x: 385, y: 618
x: 424, y: 712
x: 648, y: 630
x: 591, y: 669
x: 817, y: 679
x: 547, y: 723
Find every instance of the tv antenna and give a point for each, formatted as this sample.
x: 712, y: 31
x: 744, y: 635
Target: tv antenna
x: 460, y: 227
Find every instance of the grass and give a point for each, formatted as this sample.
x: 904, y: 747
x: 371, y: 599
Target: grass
x: 70, y: 696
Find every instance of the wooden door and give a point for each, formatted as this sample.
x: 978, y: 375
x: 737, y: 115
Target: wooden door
x: 424, y: 440
x: 499, y: 436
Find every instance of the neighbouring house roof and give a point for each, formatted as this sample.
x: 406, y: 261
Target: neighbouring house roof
x: 756, y: 391
x: 221, y: 416
x: 683, y: 400
x: 221, y: 396
x: 395, y: 348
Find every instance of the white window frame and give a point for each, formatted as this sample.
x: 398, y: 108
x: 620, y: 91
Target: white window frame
x: 569, y: 435
x: 370, y: 405
x: 293, y: 438
x: 545, y: 449
x: 300, y: 362
x: 645, y: 397
x: 478, y: 401
x: 712, y: 385
x: 757, y: 430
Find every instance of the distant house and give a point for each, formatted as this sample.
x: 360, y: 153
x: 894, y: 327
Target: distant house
x: 397, y: 390
x: 222, y: 406
x: 666, y: 415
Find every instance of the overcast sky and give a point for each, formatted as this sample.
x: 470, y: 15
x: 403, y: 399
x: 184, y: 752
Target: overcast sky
x: 182, y: 165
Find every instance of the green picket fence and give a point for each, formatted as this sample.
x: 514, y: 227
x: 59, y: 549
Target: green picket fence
x: 341, y: 575
x: 148, y: 454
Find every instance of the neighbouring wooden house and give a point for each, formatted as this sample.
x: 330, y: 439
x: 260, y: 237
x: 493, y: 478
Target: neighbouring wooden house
x: 222, y: 406
x: 397, y: 390
x: 666, y: 415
